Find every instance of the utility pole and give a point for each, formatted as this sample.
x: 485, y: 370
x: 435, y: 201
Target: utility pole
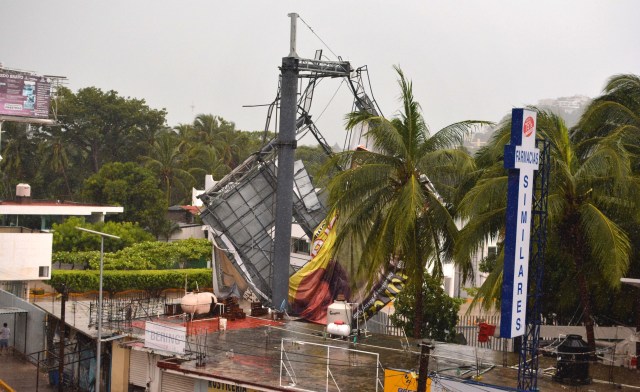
x: 425, y: 352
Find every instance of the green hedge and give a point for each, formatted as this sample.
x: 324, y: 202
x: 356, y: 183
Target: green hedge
x: 114, y: 281
x: 150, y: 255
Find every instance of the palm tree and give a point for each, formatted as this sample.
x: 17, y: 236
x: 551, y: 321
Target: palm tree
x: 391, y: 204
x: 165, y: 160
x: 19, y: 152
x: 616, y: 115
x: 55, y: 152
x: 584, y: 192
x: 204, y: 160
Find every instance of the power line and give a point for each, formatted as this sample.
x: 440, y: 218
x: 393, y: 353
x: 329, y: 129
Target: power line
x: 314, y: 33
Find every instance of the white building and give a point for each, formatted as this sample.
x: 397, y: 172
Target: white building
x: 25, y: 238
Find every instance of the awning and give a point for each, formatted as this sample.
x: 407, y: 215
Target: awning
x: 11, y: 310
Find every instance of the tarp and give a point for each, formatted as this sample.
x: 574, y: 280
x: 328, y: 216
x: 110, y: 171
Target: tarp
x: 314, y: 287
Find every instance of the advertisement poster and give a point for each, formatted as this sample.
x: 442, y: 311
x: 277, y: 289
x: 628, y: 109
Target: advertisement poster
x: 24, y: 95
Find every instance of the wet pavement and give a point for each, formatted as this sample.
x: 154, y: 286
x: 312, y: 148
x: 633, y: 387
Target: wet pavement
x: 21, y: 375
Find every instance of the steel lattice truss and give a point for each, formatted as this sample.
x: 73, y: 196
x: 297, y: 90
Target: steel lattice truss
x: 528, y: 361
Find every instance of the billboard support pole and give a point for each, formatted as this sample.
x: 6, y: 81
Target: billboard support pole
x: 286, y: 145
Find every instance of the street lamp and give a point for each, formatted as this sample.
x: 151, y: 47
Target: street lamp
x: 102, y: 235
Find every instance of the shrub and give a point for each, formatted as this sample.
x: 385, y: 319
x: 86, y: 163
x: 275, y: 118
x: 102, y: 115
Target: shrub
x: 115, y: 281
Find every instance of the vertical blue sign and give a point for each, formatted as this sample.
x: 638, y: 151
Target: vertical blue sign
x: 521, y: 157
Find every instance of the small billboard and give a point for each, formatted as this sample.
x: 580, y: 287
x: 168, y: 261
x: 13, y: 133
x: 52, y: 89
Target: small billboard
x: 171, y: 338
x: 24, y: 94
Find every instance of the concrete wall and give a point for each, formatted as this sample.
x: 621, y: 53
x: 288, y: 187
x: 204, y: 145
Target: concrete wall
x: 34, y: 320
x: 187, y: 232
x: 25, y: 256
x: 119, y: 368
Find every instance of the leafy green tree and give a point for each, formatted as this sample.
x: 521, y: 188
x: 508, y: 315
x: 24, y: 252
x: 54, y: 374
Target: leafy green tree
x: 133, y: 187
x: 67, y: 238
x: 106, y: 126
x: 391, y: 202
x: 158, y: 255
x: 583, y: 193
x: 439, y: 312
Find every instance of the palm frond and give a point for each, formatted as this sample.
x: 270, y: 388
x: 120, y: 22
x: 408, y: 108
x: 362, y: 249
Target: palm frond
x: 608, y: 244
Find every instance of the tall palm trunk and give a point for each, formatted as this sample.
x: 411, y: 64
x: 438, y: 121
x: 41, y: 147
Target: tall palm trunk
x: 66, y: 181
x: 638, y: 327
x: 586, y: 301
x: 417, y: 320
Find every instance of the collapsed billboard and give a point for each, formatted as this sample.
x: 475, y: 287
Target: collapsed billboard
x: 24, y: 94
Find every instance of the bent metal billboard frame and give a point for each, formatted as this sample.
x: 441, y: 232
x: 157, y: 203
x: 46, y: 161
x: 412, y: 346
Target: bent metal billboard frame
x: 24, y: 94
x: 522, y: 158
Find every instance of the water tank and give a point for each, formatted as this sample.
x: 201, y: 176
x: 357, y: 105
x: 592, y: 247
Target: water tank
x: 338, y: 329
x: 573, y: 361
x: 23, y: 190
x: 339, y: 312
x: 197, y: 303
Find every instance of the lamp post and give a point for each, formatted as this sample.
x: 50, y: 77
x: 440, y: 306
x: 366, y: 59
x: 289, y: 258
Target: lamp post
x: 98, y: 364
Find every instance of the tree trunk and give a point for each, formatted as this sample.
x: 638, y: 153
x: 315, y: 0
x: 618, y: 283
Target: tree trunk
x: 417, y: 320
x: 586, y: 304
x: 66, y: 182
x: 638, y: 328
x: 94, y: 158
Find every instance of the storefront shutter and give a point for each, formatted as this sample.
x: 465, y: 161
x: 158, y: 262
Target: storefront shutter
x: 177, y: 383
x: 138, y: 368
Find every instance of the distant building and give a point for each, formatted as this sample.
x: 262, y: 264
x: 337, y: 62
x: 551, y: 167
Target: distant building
x: 26, y: 240
x: 570, y: 109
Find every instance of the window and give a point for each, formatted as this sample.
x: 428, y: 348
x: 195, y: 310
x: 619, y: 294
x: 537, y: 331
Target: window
x: 43, y: 272
x: 300, y: 245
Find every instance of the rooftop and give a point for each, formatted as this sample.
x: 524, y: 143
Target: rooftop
x: 279, y: 354
x: 54, y: 207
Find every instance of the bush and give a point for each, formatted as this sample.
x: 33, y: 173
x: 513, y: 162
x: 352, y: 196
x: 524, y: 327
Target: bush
x: 115, y: 281
x: 149, y: 255
x: 79, y: 260
x: 440, y: 312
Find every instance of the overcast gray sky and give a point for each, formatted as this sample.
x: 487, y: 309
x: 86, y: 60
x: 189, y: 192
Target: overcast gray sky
x: 467, y: 59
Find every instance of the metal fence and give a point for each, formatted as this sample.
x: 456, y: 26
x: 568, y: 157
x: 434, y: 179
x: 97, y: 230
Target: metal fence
x: 467, y: 330
x: 468, y: 327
